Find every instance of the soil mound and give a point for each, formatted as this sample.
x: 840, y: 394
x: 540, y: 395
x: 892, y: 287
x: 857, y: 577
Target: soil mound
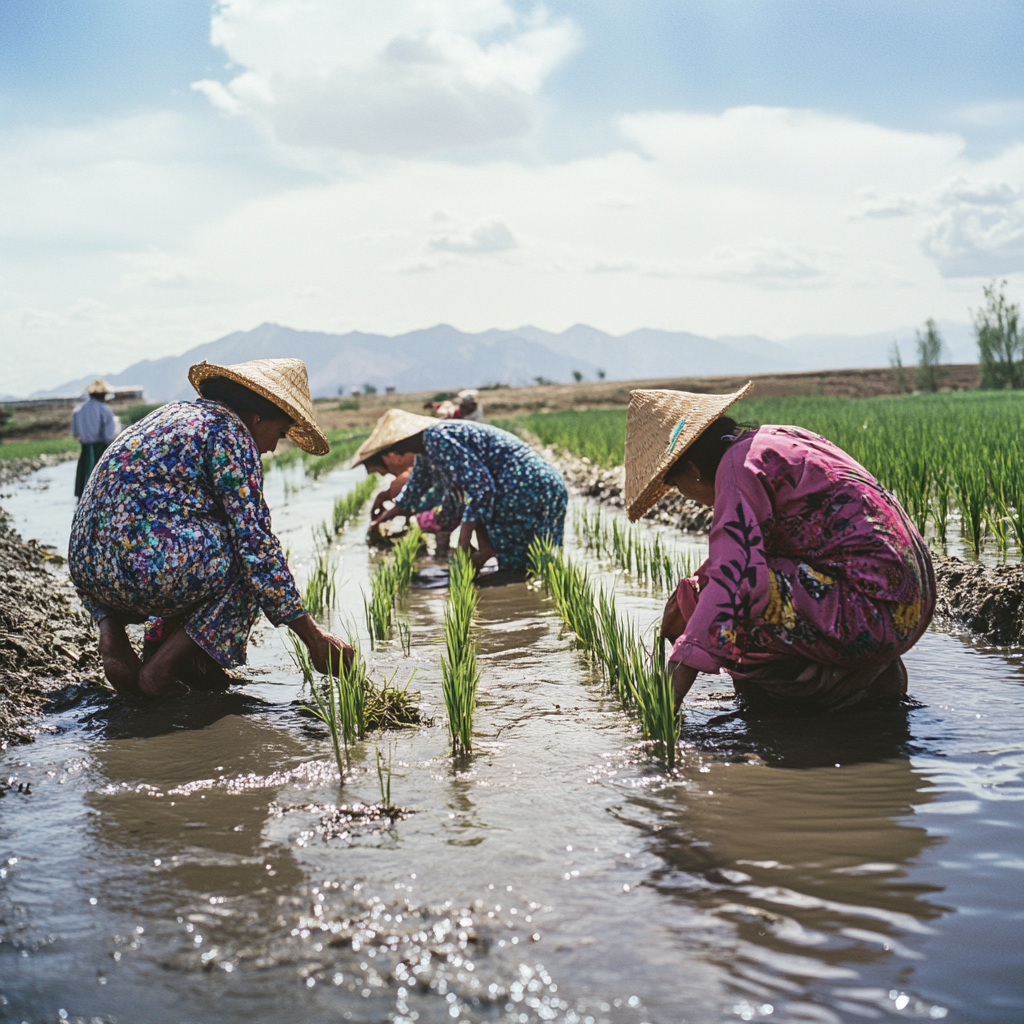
x: 46, y: 639
x: 988, y: 601
x: 607, y: 485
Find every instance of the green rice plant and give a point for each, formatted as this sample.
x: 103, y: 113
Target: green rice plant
x: 660, y: 718
x: 384, y: 770
x: 595, y: 434
x: 637, y: 550
x: 348, y: 506
x: 299, y: 653
x: 339, y: 701
x: 320, y: 594
x: 343, y: 446
x: 638, y: 679
x: 459, y: 671
x: 389, y: 583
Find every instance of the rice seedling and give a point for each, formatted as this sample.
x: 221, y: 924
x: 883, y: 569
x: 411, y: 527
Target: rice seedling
x: 384, y: 771
x: 459, y: 671
x: 638, y: 678
x: 320, y: 594
x: 636, y: 550
x: 660, y: 718
x: 299, y: 653
x: 389, y: 583
x: 348, y: 506
x: 339, y: 701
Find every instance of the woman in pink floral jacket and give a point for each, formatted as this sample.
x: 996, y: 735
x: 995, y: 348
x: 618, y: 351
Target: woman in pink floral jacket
x: 816, y: 580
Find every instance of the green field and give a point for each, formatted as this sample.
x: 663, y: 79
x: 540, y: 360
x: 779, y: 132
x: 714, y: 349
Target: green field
x: 954, y: 453
x: 30, y: 449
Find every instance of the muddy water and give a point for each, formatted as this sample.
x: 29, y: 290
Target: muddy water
x: 170, y: 863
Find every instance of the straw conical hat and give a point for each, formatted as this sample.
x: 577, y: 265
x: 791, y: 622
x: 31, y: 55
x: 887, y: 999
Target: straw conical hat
x: 284, y: 382
x: 660, y: 426
x: 98, y: 387
x: 394, y: 426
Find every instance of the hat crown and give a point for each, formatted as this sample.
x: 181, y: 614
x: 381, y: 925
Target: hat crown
x: 284, y: 382
x: 394, y: 426
x: 660, y: 426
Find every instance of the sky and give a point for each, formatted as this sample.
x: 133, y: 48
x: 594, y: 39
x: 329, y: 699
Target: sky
x: 171, y: 172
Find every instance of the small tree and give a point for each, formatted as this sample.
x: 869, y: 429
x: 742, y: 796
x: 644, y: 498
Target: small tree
x: 929, y: 353
x: 577, y: 376
x: 369, y: 389
x: 1000, y: 346
x: 896, y: 362
x: 600, y: 374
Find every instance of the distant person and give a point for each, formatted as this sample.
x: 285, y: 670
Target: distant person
x: 816, y: 581
x: 94, y: 426
x: 465, y: 407
x: 491, y: 485
x: 173, y: 528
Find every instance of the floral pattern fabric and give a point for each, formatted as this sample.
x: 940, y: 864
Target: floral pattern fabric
x: 173, y: 523
x: 486, y: 475
x: 809, y: 556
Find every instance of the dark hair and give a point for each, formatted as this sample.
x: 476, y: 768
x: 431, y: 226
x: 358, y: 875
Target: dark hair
x: 238, y: 397
x: 711, y: 444
x: 407, y: 446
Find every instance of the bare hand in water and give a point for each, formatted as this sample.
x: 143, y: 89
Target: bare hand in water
x: 322, y: 645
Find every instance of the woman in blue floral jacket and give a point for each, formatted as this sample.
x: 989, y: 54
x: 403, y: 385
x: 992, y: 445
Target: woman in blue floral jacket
x: 173, y: 528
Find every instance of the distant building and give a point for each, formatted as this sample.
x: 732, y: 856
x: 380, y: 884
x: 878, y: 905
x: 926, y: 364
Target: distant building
x: 389, y: 391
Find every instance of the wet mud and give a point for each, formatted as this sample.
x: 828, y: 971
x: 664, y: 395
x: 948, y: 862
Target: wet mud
x: 47, y: 642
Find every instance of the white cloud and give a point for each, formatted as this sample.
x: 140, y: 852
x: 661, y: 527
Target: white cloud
x: 400, y: 78
x: 487, y: 236
x: 766, y: 263
x: 978, y: 229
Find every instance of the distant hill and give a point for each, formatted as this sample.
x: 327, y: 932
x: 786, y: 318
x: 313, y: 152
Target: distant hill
x: 444, y: 358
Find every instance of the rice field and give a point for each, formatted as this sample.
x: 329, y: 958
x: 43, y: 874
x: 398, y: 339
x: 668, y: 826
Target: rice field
x: 955, y: 460
x: 389, y: 583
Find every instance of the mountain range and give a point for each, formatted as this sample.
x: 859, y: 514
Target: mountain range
x: 445, y: 358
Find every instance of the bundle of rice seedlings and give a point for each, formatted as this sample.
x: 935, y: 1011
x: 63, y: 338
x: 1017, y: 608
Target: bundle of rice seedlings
x: 459, y: 671
x: 348, y: 506
x: 391, y: 707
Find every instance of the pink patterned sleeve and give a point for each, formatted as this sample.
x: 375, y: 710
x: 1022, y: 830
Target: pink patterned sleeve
x: 736, y: 585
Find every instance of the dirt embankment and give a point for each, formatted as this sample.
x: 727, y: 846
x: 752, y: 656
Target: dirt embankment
x: 46, y: 640
x: 989, y: 602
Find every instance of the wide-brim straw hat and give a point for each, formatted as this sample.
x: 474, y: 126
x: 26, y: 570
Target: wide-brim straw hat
x: 660, y: 426
x: 394, y: 426
x: 99, y: 387
x: 285, y: 383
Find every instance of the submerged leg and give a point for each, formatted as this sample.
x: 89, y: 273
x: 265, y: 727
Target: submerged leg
x: 179, y: 657
x: 121, y: 664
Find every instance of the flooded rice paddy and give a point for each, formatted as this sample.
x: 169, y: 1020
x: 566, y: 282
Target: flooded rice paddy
x: 196, y: 860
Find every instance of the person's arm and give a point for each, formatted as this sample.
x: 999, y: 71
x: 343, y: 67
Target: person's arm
x: 413, y: 495
x: 76, y: 430
x: 388, y: 493
x: 734, y: 580
x: 109, y: 424
x: 465, y: 473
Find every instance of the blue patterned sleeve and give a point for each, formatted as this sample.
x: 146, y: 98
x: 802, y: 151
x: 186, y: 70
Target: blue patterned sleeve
x: 420, y: 490
x: 238, y: 481
x: 465, y: 473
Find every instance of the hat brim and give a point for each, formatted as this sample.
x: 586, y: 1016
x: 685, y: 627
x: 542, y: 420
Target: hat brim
x: 654, y: 488
x: 387, y: 433
x: 304, y: 432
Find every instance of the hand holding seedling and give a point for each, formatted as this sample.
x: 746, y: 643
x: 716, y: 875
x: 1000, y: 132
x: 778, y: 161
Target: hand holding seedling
x: 322, y: 645
x: 485, y: 549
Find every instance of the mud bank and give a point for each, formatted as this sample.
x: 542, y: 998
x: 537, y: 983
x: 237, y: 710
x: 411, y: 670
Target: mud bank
x: 607, y: 485
x: 15, y: 469
x: 988, y: 601
x: 46, y: 640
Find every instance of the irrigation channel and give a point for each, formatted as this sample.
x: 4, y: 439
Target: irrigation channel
x: 197, y: 860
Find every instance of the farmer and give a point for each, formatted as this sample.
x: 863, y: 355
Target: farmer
x: 94, y: 426
x: 816, y: 580
x: 465, y: 407
x: 173, y: 526
x: 473, y: 476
